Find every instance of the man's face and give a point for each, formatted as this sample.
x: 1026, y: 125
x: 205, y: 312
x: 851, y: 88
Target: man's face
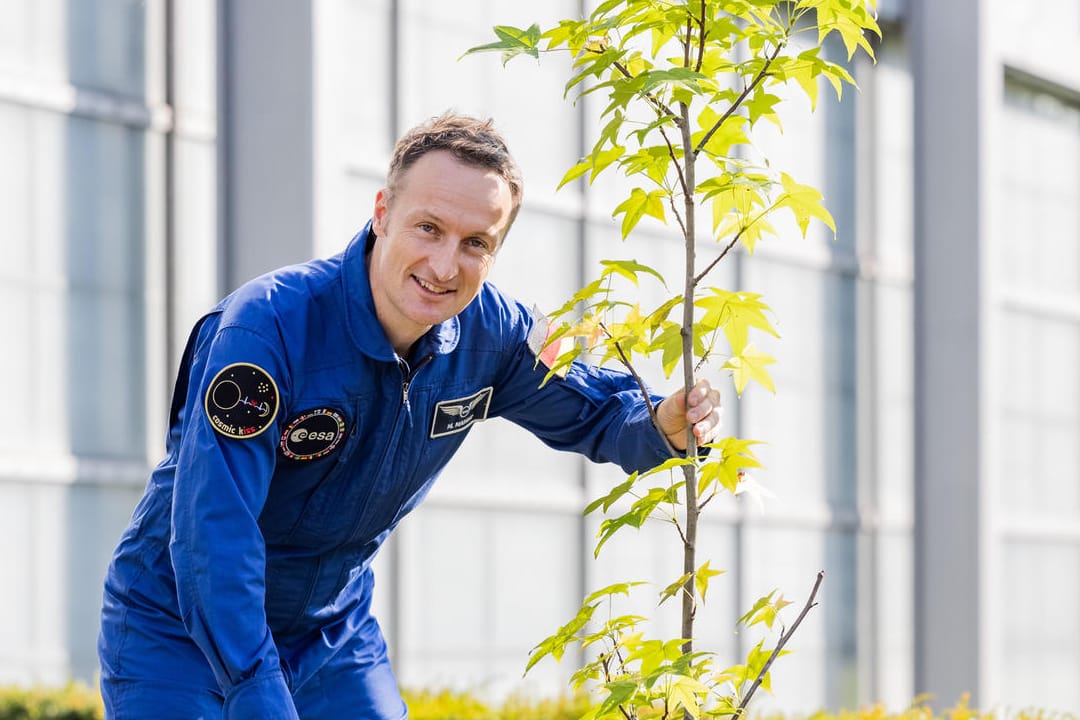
x: 437, y: 238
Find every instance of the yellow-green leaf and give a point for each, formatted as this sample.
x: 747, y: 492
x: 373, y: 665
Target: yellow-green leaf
x: 805, y: 202
x: 750, y: 365
x: 701, y: 578
x: 638, y: 205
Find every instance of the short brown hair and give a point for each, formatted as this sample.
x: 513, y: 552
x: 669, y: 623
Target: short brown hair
x: 470, y: 140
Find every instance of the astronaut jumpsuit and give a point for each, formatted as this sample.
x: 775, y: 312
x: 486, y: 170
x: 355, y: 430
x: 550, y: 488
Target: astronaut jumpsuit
x: 297, y: 440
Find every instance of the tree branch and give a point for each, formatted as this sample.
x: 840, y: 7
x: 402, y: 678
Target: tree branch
x: 784, y: 637
x: 701, y: 40
x: 653, y: 100
x: 644, y: 390
x: 688, y: 41
x: 678, y: 170
x: 739, y: 100
x: 701, y: 275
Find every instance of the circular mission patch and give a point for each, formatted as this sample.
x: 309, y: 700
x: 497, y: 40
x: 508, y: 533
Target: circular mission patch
x: 312, y: 435
x: 242, y: 400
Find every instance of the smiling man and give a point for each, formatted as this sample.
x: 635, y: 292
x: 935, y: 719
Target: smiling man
x: 314, y: 408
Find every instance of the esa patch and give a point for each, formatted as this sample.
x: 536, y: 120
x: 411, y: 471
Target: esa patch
x: 454, y: 416
x: 547, y: 351
x: 313, y: 434
x: 242, y: 400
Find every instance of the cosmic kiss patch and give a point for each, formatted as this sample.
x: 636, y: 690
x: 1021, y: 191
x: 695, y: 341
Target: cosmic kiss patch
x: 242, y: 400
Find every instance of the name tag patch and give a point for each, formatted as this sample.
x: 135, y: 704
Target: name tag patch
x: 454, y: 416
x: 242, y: 400
x: 313, y: 434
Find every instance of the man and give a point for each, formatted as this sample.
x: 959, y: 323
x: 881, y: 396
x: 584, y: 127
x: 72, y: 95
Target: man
x: 314, y: 407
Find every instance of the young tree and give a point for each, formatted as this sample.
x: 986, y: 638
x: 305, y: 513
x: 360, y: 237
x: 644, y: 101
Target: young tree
x: 686, y: 82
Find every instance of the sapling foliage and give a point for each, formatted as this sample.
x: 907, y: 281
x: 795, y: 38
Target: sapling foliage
x: 683, y: 84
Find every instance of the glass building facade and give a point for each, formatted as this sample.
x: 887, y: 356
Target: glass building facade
x: 924, y: 444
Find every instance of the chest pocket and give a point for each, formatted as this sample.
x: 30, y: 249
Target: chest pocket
x: 310, y: 457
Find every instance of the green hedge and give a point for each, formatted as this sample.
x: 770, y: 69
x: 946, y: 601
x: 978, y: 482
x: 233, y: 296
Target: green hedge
x: 79, y: 702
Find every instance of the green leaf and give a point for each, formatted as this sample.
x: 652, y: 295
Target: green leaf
x: 612, y: 497
x: 653, y: 162
x: 649, y: 653
x: 850, y: 21
x: 638, y: 205
x: 750, y: 365
x: 512, y: 42
x: 736, y: 313
x: 669, y: 340
x: 701, y: 578
x: 603, y: 159
x: 764, y: 611
x: 555, y: 645
x: 674, y: 589
x: 724, y: 466
x: 622, y: 588
x: 629, y: 269
x: 619, y: 692
x: 639, y: 512
x: 761, y: 105
x: 683, y: 693
x: 575, y: 172
x: 805, y: 202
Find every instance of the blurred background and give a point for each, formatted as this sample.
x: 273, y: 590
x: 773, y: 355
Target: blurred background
x: 924, y: 444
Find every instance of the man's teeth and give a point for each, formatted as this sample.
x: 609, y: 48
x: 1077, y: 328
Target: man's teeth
x: 430, y: 288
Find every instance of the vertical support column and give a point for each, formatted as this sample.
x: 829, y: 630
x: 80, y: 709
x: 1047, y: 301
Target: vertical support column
x: 268, y: 143
x: 947, y: 43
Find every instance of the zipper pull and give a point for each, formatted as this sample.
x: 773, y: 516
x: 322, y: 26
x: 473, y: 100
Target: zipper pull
x: 407, y: 374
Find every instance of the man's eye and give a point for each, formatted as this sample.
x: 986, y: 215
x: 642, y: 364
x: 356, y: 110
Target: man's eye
x: 427, y: 227
x: 477, y: 243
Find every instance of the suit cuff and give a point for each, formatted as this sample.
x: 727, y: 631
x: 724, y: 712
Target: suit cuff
x: 263, y: 697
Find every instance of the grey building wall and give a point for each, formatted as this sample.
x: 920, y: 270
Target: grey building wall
x: 923, y: 445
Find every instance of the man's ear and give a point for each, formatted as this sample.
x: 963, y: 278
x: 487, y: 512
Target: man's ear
x: 378, y: 217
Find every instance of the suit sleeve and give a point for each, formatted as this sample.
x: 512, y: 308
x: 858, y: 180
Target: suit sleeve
x: 598, y: 412
x: 229, y: 430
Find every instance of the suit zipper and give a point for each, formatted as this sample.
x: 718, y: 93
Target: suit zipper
x: 407, y: 375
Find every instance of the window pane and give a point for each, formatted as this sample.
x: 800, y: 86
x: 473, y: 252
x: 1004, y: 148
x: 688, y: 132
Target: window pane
x: 1040, y: 220
x: 107, y: 45
x: 1041, y: 638
x: 105, y: 257
x: 809, y: 423
x: 1039, y: 405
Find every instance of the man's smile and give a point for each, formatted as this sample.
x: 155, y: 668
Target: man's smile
x: 431, y: 288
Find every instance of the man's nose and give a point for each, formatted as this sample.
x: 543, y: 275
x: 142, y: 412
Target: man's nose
x: 443, y: 259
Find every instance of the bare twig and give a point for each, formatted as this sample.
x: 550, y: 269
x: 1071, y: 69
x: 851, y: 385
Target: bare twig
x: 784, y: 637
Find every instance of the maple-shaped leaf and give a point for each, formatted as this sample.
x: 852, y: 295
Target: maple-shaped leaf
x: 750, y: 365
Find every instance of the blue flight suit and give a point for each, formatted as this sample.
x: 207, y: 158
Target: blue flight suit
x: 298, y: 439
